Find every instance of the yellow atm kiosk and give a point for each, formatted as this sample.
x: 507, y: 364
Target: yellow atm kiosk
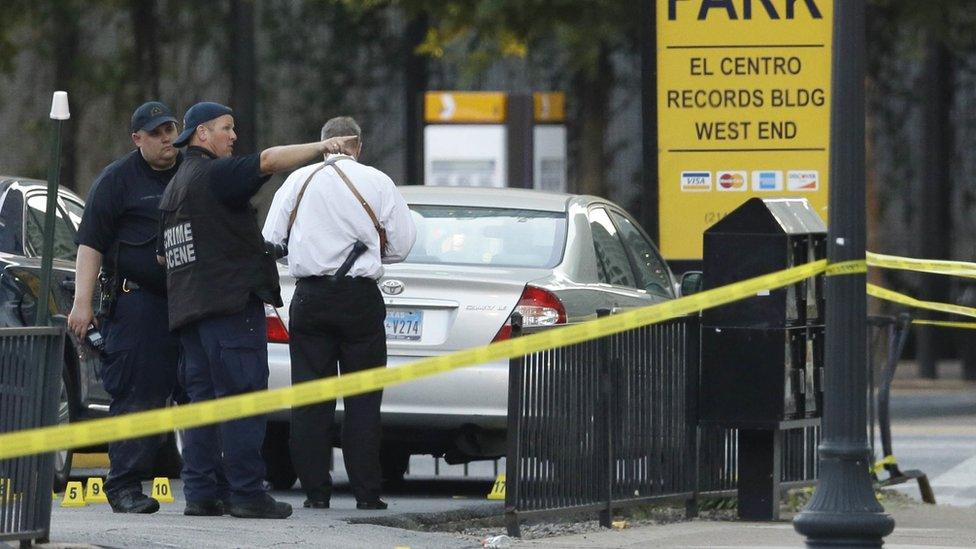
x: 494, y: 139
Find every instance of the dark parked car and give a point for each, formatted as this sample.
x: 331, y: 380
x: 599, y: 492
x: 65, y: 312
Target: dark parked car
x: 22, y: 206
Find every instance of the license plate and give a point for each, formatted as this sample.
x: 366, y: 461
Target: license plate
x: 404, y: 325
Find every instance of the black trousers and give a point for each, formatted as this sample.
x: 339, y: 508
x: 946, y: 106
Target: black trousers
x: 337, y: 325
x: 139, y: 373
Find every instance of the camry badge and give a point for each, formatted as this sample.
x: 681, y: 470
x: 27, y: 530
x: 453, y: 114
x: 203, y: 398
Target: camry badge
x: 392, y: 287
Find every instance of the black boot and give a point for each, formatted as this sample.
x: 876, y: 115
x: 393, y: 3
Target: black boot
x: 133, y: 502
x: 262, y: 507
x: 213, y: 508
x: 317, y: 499
x: 373, y: 504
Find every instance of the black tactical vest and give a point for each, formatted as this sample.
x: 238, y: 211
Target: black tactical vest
x: 215, y: 255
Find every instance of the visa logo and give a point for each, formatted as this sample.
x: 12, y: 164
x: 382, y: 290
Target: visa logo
x: 696, y: 181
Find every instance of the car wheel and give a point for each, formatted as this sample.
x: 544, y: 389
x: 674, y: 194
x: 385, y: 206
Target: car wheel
x: 394, y: 464
x: 67, y: 412
x: 277, y: 457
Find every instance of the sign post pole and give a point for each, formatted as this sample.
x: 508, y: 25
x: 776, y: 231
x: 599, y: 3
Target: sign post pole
x: 844, y: 511
x: 59, y: 113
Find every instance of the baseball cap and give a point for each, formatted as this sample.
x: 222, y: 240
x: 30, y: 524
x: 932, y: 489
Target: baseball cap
x: 199, y: 114
x: 150, y: 115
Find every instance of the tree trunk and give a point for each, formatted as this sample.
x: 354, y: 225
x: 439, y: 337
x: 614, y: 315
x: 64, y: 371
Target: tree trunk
x: 66, y: 37
x: 650, y: 186
x: 592, y: 90
x: 414, y: 86
x: 243, y: 78
x: 934, y: 194
x: 146, y: 55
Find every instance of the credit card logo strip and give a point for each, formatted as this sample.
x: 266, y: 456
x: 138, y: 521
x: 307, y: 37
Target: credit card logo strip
x: 767, y: 180
x: 803, y: 180
x: 696, y: 182
x: 732, y: 181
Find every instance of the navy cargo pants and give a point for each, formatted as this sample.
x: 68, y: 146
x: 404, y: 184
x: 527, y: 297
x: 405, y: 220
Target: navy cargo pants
x: 224, y: 356
x: 139, y: 373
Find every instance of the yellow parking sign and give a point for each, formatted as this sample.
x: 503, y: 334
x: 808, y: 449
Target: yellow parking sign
x: 743, y: 103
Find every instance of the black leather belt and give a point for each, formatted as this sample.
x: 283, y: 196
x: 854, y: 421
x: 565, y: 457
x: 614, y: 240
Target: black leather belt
x: 129, y: 285
x: 332, y: 279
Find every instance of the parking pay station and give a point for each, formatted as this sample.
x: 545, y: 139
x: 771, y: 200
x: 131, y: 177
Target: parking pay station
x: 494, y: 139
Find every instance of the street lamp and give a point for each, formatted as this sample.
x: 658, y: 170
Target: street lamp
x: 844, y: 511
x: 59, y: 113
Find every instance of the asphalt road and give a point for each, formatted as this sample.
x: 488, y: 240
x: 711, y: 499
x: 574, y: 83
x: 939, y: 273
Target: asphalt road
x: 935, y: 431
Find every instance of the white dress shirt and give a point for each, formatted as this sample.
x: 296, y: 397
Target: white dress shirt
x: 330, y: 219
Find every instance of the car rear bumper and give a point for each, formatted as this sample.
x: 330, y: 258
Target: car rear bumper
x: 475, y: 395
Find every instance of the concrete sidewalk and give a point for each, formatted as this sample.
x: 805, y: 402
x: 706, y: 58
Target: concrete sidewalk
x: 916, y: 525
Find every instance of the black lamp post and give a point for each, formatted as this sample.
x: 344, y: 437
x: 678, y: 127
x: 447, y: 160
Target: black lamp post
x: 844, y: 511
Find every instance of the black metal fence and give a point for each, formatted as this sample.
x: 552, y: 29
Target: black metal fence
x: 611, y: 423
x: 30, y: 370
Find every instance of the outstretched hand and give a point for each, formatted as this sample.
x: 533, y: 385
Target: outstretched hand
x: 347, y: 144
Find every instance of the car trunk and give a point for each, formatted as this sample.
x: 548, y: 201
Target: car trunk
x: 444, y: 308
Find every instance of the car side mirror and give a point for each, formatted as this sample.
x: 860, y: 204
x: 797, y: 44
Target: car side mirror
x: 691, y: 282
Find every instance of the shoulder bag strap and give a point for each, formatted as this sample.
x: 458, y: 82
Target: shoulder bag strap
x: 359, y: 197
x: 298, y: 201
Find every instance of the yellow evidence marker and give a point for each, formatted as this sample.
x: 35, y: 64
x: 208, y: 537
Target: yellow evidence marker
x: 161, y: 490
x: 74, y: 495
x: 498, y: 489
x: 95, y: 491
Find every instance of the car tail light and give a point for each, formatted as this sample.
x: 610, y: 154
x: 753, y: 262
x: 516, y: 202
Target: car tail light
x: 538, y: 307
x: 277, y: 333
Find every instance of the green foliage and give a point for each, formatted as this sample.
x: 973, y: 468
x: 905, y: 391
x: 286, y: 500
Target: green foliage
x: 328, y: 54
x: 476, y: 33
x: 718, y: 504
x: 950, y: 21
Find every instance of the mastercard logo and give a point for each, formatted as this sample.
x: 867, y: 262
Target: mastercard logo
x: 732, y: 181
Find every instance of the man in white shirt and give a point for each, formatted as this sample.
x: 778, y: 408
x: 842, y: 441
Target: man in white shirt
x: 336, y: 322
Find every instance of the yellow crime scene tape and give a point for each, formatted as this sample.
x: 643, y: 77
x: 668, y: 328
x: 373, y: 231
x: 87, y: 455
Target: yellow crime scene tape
x: 855, y: 266
x: 946, y: 324
x: 87, y: 433
x: 934, y: 266
x: 896, y: 297
x: 879, y: 465
x: 46, y: 439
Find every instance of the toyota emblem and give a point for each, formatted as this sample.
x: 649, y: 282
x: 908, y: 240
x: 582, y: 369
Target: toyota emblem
x: 392, y: 287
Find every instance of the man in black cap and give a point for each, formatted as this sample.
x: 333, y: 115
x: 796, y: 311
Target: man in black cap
x: 219, y: 276
x: 117, y: 235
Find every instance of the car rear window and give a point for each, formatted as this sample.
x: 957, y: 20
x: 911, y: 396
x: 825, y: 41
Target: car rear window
x: 502, y: 237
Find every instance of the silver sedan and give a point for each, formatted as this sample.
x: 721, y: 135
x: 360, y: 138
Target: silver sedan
x: 480, y: 255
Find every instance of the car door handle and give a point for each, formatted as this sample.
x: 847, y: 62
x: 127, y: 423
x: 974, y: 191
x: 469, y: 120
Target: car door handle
x: 68, y: 284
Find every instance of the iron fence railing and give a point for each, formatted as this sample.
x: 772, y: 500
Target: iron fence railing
x: 603, y: 424
x: 613, y: 422
x: 30, y: 372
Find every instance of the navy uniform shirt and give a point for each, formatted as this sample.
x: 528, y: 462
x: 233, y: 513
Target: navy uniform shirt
x: 123, y: 208
x: 233, y: 181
